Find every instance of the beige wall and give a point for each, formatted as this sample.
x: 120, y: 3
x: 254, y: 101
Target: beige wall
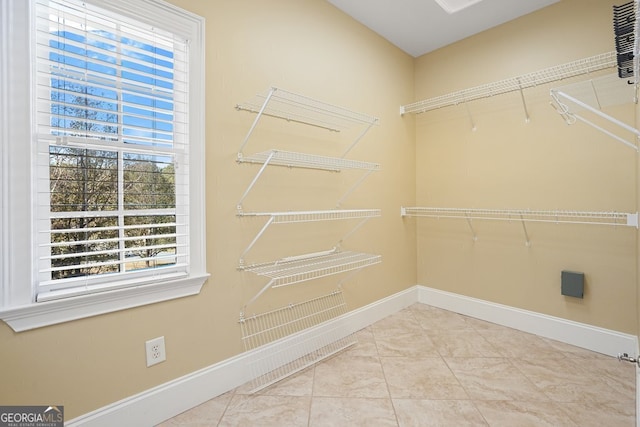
x: 304, y: 46
x: 309, y: 47
x: 507, y: 163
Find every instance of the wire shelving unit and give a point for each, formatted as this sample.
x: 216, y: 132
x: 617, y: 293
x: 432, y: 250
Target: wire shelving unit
x: 302, y: 268
x: 289, y: 106
x: 280, y: 103
x: 287, y: 329
x: 363, y: 215
x: 619, y: 219
x: 305, y: 331
x: 547, y: 75
x: 309, y: 161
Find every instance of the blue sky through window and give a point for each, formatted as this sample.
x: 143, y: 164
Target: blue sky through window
x: 105, y: 85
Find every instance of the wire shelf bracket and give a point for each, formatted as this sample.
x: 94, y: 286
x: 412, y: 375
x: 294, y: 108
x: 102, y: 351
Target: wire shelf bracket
x: 619, y: 219
x: 547, y: 75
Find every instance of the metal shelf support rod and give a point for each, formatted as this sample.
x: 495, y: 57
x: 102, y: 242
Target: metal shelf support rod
x: 256, y: 296
x: 352, y: 189
x: 255, y: 179
x: 473, y: 232
x: 526, y: 235
x: 606, y: 132
x: 598, y: 112
x: 353, y: 230
x: 524, y: 102
x: 255, y: 239
x: 355, y: 142
x: 257, y: 119
x: 473, y: 124
x: 556, y: 96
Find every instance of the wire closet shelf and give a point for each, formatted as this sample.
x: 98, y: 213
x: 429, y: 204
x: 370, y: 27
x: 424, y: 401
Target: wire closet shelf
x: 551, y: 216
x: 289, y: 339
x: 280, y: 103
x: 296, y: 269
x: 304, y: 160
x: 313, y: 216
x: 524, y: 216
x: 302, y: 268
x: 363, y: 215
x: 547, y: 75
x: 289, y: 106
x: 286, y: 105
x: 286, y: 340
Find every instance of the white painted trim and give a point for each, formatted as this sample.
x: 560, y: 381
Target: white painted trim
x: 637, y: 387
x: 15, y: 170
x: 36, y: 315
x: 593, y: 338
x: 17, y: 277
x: 172, y: 398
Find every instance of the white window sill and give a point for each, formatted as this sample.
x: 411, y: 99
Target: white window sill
x: 41, y: 314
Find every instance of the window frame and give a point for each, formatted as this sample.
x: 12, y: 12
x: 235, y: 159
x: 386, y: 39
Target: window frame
x: 18, y: 306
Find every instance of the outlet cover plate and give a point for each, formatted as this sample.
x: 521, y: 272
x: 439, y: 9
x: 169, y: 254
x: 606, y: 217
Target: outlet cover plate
x: 156, y: 352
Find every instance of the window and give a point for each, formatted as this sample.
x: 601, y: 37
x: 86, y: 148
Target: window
x: 116, y: 158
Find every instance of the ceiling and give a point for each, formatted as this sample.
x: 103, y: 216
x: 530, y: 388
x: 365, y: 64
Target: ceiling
x: 421, y: 26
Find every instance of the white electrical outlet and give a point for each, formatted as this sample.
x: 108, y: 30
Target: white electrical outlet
x: 155, y: 351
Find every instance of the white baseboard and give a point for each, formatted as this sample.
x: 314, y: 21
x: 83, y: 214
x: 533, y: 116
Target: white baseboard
x: 593, y: 338
x: 637, y: 387
x: 172, y: 398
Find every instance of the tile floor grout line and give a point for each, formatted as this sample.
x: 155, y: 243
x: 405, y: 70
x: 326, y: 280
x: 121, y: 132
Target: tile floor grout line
x: 596, y: 390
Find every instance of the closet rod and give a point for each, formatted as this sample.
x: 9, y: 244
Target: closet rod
x: 548, y: 75
x: 571, y: 117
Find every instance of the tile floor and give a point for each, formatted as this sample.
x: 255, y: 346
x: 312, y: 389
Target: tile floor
x: 424, y: 366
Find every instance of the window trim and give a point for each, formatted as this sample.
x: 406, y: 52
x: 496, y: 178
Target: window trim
x: 17, y: 277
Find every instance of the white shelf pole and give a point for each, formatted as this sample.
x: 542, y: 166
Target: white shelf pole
x: 564, y: 111
x: 526, y: 235
x: 356, y: 185
x: 255, y: 179
x: 473, y: 232
x: 256, y: 296
x: 355, y: 142
x: 256, y: 120
x: 606, y: 132
x: 524, y: 102
x: 473, y: 124
x: 598, y: 112
x: 255, y: 239
x: 353, y: 230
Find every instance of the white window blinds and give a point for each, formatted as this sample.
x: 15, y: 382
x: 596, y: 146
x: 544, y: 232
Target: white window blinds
x: 112, y: 150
